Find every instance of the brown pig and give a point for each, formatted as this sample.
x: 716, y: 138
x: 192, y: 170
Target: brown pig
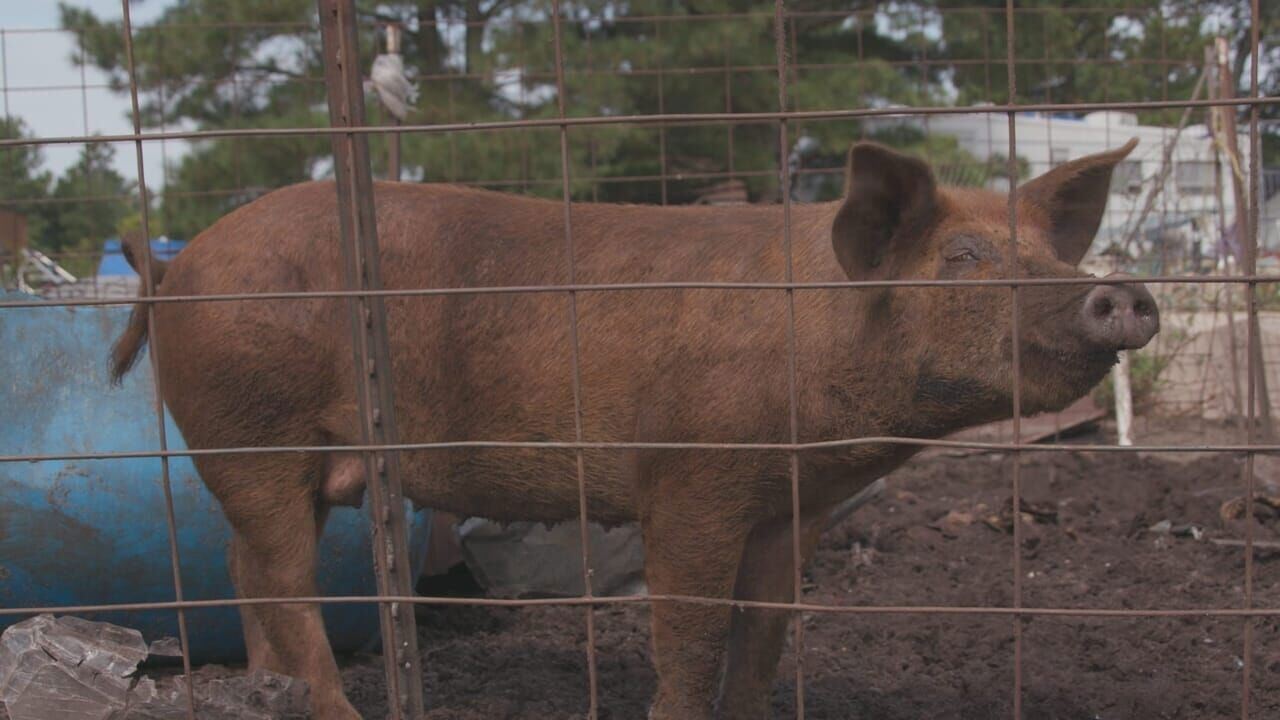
x: 657, y: 365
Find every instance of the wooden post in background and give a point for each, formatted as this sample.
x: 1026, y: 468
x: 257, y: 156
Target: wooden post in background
x: 1228, y: 137
x: 393, y: 139
x: 1215, y: 122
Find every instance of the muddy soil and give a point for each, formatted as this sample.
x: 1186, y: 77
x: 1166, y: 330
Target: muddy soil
x: 1099, y: 530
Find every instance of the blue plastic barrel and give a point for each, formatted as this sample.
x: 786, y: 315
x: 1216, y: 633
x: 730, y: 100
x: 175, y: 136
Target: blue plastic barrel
x: 85, y: 532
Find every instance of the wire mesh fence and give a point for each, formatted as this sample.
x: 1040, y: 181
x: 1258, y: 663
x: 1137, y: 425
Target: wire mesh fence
x: 584, y: 103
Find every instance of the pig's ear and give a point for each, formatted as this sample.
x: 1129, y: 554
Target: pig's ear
x: 1074, y: 196
x: 888, y: 195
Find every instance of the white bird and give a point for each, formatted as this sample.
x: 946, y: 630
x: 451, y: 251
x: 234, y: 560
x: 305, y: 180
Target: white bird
x: 394, y: 90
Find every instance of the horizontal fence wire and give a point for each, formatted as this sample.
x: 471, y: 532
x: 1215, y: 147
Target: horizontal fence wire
x: 250, y: 192
x: 677, y: 71
x: 780, y: 447
x: 669, y: 119
x: 629, y: 287
x: 645, y: 599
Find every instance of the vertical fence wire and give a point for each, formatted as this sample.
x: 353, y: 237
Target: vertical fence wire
x: 784, y: 189
x: 1250, y: 241
x: 575, y: 363
x: 4, y: 68
x: 149, y: 289
x: 1016, y: 351
x: 596, y: 98
x: 94, y: 258
x: 728, y: 106
x: 658, y: 50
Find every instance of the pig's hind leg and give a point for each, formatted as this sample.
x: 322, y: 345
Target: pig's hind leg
x: 273, y: 504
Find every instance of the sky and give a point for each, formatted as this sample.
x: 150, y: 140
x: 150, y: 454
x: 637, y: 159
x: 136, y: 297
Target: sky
x: 42, y: 85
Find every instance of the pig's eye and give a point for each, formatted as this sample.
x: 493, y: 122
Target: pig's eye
x: 962, y: 256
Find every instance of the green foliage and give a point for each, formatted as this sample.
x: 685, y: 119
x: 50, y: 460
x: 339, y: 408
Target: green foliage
x: 23, y: 184
x: 501, y: 68
x: 1136, y: 51
x: 494, y: 60
x: 88, y: 203
x: 219, y: 65
x: 75, y: 212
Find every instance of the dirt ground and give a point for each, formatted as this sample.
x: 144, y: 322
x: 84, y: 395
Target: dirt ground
x: 1100, y: 530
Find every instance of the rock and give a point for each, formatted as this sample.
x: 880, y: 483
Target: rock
x: 1232, y: 509
x: 860, y: 556
x: 220, y: 695
x: 73, y: 669
x: 1265, y: 508
x: 907, y: 497
x: 166, y: 647
x: 1030, y: 514
x: 259, y: 695
x: 956, y: 519
x: 1194, y: 532
x: 149, y: 701
x: 67, y: 668
x: 526, y: 559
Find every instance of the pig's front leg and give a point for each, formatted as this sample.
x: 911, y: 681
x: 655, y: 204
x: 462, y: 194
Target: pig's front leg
x: 693, y: 544
x: 757, y: 635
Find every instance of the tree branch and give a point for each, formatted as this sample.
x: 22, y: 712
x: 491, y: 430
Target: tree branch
x: 272, y: 69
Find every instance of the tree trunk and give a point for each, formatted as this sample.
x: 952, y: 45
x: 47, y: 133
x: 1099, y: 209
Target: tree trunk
x: 475, y: 35
x: 431, y: 47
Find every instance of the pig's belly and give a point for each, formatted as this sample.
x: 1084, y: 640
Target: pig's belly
x: 538, y: 484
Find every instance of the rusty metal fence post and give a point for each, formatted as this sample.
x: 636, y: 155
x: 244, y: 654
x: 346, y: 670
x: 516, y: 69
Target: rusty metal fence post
x: 372, y: 355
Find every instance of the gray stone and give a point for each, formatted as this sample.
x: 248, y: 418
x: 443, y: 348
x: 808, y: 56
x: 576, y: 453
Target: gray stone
x: 67, y: 668
x: 73, y: 669
x: 261, y: 692
x: 150, y: 701
x: 528, y: 559
x: 525, y: 559
x: 219, y: 695
x: 166, y: 647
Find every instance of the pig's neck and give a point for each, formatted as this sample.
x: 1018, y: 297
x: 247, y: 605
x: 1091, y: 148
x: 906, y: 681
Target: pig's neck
x: 870, y: 395
x: 868, y: 376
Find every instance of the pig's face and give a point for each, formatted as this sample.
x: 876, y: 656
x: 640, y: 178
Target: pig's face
x: 896, y: 223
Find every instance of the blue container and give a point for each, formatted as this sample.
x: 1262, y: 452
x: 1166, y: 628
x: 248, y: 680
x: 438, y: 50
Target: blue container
x: 85, y: 532
x: 114, y: 264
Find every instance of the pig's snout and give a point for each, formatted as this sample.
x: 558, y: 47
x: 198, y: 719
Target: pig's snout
x: 1120, y: 317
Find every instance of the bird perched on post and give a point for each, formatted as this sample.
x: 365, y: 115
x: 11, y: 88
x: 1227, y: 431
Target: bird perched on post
x: 388, y: 80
